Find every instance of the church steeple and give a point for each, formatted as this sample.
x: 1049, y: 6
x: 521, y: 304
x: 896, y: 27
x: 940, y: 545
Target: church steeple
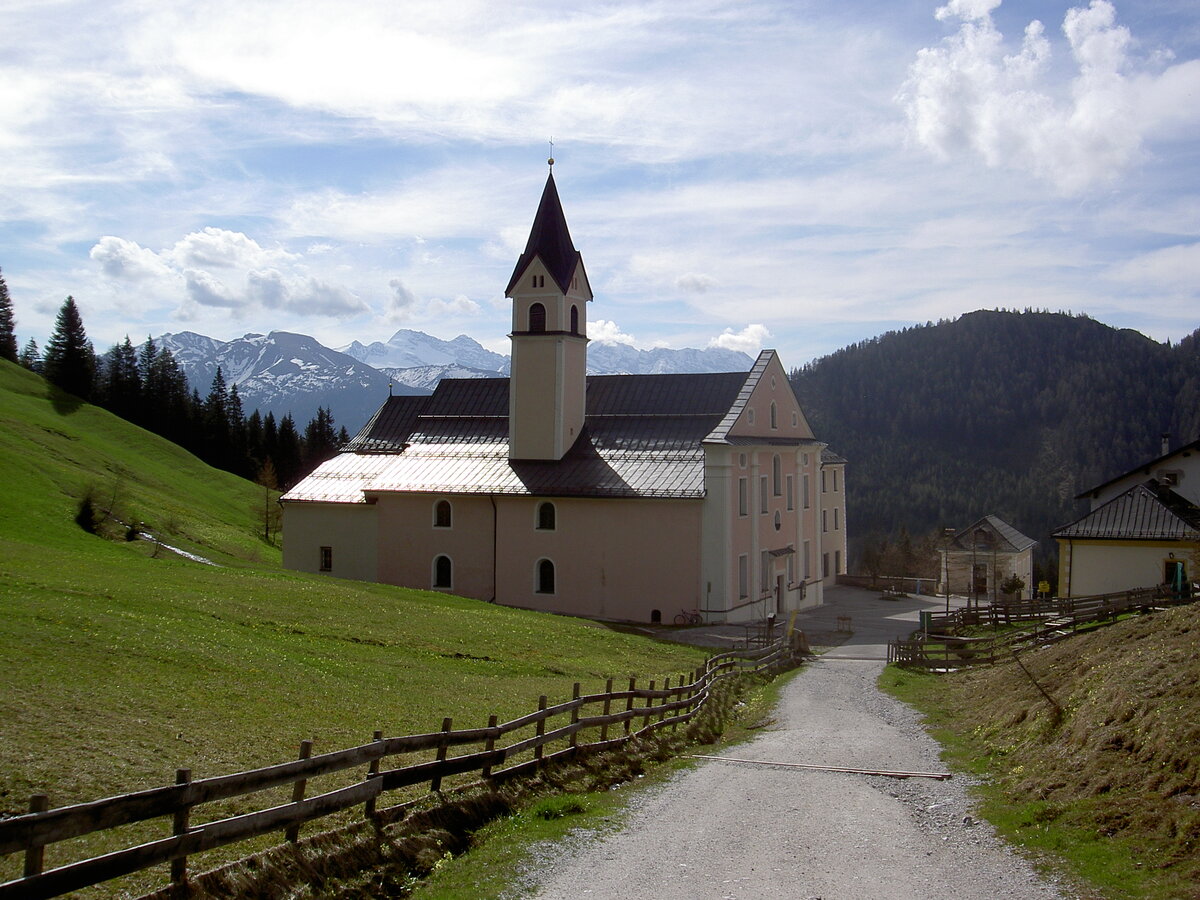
x: 550, y: 240
x: 549, y: 290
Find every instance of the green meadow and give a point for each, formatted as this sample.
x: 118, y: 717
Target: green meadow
x: 124, y: 661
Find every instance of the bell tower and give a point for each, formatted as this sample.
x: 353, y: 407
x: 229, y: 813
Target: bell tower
x: 549, y: 292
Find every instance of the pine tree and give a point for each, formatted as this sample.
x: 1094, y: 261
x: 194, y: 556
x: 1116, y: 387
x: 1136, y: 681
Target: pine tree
x: 120, y: 381
x: 320, y: 440
x: 30, y: 357
x: 70, y: 361
x: 287, y: 453
x: 8, y: 334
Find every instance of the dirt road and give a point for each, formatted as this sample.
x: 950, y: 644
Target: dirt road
x: 729, y: 830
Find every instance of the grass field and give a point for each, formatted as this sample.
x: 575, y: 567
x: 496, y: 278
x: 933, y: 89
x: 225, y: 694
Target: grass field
x: 1106, y: 781
x: 123, y: 663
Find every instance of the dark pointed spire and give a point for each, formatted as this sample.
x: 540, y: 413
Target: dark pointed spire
x: 549, y: 239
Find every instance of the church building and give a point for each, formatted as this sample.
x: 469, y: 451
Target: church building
x: 622, y: 497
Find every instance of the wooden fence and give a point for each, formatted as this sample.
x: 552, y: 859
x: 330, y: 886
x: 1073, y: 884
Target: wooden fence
x: 940, y: 644
x: 493, y: 754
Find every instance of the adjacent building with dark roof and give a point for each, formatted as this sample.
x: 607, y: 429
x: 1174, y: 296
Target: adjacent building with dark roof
x: 627, y: 497
x: 1143, y: 529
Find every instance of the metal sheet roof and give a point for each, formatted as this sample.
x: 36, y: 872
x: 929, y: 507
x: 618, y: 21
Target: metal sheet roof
x: 1141, y: 513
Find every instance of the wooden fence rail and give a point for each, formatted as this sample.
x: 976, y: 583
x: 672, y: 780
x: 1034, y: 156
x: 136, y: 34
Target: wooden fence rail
x: 941, y: 646
x: 626, y: 713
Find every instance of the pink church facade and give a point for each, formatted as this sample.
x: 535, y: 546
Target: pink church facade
x: 622, y: 497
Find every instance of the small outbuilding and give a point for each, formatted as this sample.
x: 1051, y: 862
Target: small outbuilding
x: 978, y: 560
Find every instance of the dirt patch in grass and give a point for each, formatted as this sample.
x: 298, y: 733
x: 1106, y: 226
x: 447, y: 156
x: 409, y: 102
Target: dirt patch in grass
x: 1093, y: 745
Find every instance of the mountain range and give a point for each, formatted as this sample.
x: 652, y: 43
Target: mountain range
x: 286, y: 373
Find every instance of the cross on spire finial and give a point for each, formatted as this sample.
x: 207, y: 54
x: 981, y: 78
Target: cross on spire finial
x: 550, y: 161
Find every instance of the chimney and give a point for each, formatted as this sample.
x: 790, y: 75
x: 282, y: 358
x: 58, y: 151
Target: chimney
x: 1166, y: 443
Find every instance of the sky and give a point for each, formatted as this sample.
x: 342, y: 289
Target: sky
x: 736, y: 173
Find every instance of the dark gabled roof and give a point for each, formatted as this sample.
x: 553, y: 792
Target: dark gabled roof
x: 1145, y: 468
x: 829, y: 458
x: 1145, y: 512
x: 643, y: 437
x: 1015, y: 541
x: 383, y: 430
x: 550, y: 239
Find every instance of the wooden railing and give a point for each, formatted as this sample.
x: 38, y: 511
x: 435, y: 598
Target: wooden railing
x: 497, y: 753
x: 941, y: 645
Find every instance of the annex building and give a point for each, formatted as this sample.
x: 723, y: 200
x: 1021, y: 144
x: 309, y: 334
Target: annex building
x: 626, y: 497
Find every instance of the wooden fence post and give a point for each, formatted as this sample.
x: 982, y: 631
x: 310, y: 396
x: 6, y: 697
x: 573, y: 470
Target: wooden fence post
x: 35, y: 856
x: 491, y: 745
x: 372, y: 772
x: 649, y: 707
x: 667, y: 699
x: 179, y: 875
x: 541, y: 728
x: 575, y: 717
x: 436, y: 784
x: 293, y: 831
x: 629, y: 704
x: 607, y: 709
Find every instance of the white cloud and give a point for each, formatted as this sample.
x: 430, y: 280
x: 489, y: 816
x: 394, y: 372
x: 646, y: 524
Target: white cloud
x: 401, y: 301
x: 208, y: 290
x: 223, y: 249
x: 749, y: 340
x: 603, y: 331
x: 252, y: 278
x: 969, y: 96
x: 1171, y: 269
x: 456, y: 306
x: 695, y: 282
x: 128, y: 260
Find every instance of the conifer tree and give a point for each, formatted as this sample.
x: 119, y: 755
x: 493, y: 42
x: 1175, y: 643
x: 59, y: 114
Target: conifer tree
x: 8, y: 334
x: 30, y: 357
x: 70, y: 361
x: 121, y: 382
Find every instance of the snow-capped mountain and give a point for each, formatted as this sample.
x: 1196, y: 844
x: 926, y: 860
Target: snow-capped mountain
x: 621, y: 359
x: 413, y: 349
x: 283, y: 372
x: 417, y: 359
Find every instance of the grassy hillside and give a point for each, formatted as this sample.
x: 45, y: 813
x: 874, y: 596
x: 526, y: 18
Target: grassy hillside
x: 122, y: 664
x: 1112, y: 781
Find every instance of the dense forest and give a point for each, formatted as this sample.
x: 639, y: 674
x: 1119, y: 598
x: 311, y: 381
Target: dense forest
x: 1007, y: 413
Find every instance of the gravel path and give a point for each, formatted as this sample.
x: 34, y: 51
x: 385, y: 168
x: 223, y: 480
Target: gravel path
x: 727, y: 830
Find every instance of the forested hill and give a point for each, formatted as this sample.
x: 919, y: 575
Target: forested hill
x: 995, y: 412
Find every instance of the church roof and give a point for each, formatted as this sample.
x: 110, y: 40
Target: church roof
x: 1145, y: 512
x: 643, y: 436
x: 550, y: 239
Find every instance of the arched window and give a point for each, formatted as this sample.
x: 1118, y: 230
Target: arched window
x: 441, y: 514
x: 656, y: 617
x: 574, y: 319
x: 537, y: 318
x: 774, y: 415
x: 545, y: 577
x: 443, y: 571
x: 776, y: 474
x: 546, y: 517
